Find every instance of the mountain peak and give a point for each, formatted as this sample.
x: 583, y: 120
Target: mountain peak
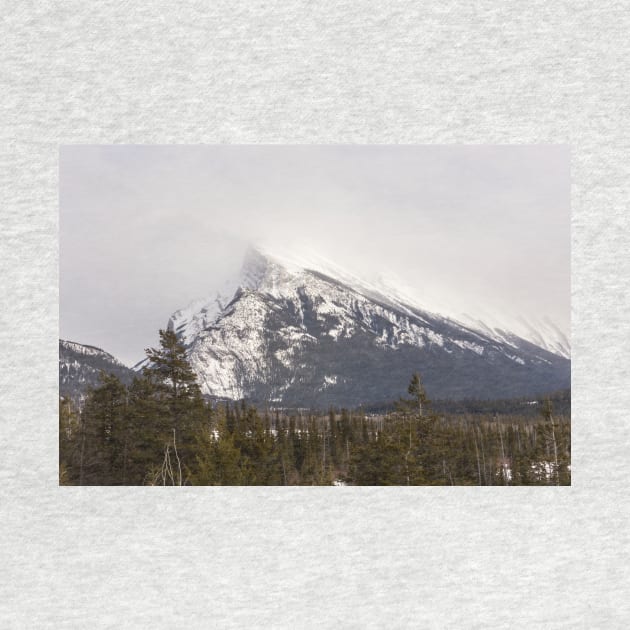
x: 296, y: 259
x: 265, y: 271
x: 255, y: 265
x: 298, y: 330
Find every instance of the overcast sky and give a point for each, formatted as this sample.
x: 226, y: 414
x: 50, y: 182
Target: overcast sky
x: 144, y: 230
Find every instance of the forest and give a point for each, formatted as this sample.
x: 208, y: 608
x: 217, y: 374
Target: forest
x: 161, y: 431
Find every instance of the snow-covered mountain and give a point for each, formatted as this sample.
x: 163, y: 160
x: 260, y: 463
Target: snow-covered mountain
x: 304, y: 332
x: 496, y: 321
x: 80, y: 366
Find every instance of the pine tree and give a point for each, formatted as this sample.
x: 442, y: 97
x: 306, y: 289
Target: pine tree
x: 103, y: 435
x: 181, y: 407
x: 170, y: 370
x: 218, y: 460
x: 69, y: 430
x: 149, y: 425
x: 419, y: 394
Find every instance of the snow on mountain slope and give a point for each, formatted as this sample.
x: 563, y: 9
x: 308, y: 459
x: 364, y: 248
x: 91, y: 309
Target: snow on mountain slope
x: 71, y: 347
x: 199, y: 314
x: 496, y: 321
x: 305, y: 330
x: 539, y: 331
x: 80, y: 367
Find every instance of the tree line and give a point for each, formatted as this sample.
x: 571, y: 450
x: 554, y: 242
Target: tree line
x: 161, y: 431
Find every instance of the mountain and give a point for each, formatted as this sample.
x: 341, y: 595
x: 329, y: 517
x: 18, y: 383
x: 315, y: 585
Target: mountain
x: 80, y: 366
x: 298, y: 333
x: 495, y: 321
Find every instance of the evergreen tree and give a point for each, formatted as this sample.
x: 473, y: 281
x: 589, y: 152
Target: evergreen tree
x: 69, y: 430
x: 419, y: 395
x: 149, y: 426
x: 219, y: 462
x: 103, y: 434
x: 170, y: 370
x: 160, y: 431
x: 181, y: 409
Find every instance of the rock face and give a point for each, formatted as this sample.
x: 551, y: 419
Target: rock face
x: 291, y: 335
x: 80, y: 366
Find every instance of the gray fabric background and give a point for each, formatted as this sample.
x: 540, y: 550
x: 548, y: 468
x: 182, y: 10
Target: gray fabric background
x: 395, y: 72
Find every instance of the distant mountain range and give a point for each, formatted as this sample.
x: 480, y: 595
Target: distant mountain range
x: 307, y: 334
x: 80, y: 366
